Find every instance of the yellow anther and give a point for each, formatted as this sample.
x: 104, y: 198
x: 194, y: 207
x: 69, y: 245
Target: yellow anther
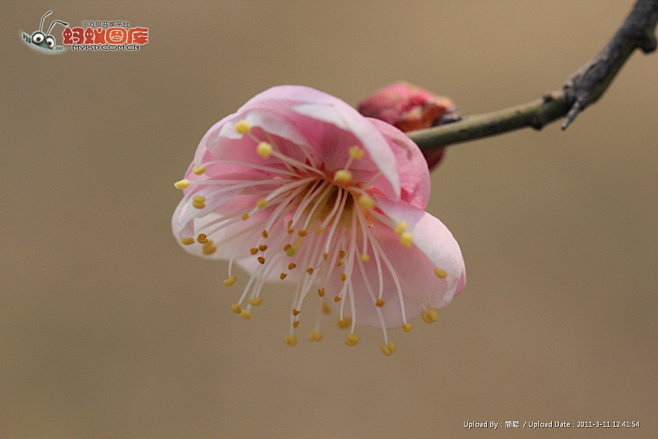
x: 337, y: 299
x: 264, y: 234
x: 262, y: 247
x: 406, y: 239
x: 352, y: 339
x: 290, y: 340
x: 340, y: 264
x: 314, y: 336
x: 295, y: 324
x: 255, y: 301
x: 208, y: 248
x: 182, y: 184
x: 282, y: 276
x: 326, y: 308
x: 343, y: 176
x: 291, y: 266
x: 295, y: 312
x: 291, y: 231
x: 230, y: 280
x: 430, y: 315
x: 325, y: 256
x: 253, y: 250
x: 198, y: 201
x: 236, y: 308
x: 242, y: 127
x: 309, y: 270
x: 366, y: 202
x: 380, y: 302
x: 357, y: 153
x: 264, y: 150
x: 343, y: 276
x: 286, y: 247
x: 291, y: 251
x: 406, y: 327
x: 245, y: 216
x: 364, y: 257
x: 202, y: 238
x: 261, y: 260
x: 187, y: 241
x: 388, y: 349
x: 319, y: 230
x: 441, y: 274
x: 262, y: 203
x: 344, y: 323
x: 302, y: 233
x: 341, y: 254
x: 198, y: 170
x: 321, y: 292
x: 245, y: 314
x: 401, y: 227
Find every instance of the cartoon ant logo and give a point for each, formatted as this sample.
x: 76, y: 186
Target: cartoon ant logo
x: 41, y: 41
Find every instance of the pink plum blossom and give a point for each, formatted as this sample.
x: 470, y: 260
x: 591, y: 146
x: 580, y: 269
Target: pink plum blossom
x: 297, y: 185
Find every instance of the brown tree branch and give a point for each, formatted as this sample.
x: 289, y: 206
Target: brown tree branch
x: 584, y: 88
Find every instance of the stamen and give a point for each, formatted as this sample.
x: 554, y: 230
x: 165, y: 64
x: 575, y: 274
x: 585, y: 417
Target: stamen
x: 388, y: 349
x: 309, y: 270
x: 352, y: 339
x: 314, y: 336
x: 343, y: 176
x: 255, y: 301
x: 182, y: 184
x: 187, y: 241
x: 253, y: 250
x: 380, y: 302
x: 344, y: 323
x: 236, y: 308
x: 282, y: 276
x: 262, y: 203
x: 356, y: 153
x: 262, y: 247
x: 264, y: 150
x: 261, y: 260
x: 198, y: 170
x: 245, y: 314
x: 441, y: 274
x: 290, y: 340
x: 230, y: 280
x: 245, y: 217
x: 406, y: 239
x: 401, y: 227
x: 264, y: 234
x: 364, y: 257
x: 366, y: 202
x: 242, y: 127
x: 208, y: 248
x: 430, y: 315
x: 406, y: 327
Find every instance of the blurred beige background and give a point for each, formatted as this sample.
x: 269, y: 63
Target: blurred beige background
x: 109, y: 330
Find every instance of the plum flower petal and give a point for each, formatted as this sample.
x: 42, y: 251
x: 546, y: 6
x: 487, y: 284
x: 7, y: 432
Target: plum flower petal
x: 298, y: 186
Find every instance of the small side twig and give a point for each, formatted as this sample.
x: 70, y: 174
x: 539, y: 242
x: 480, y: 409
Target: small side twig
x: 584, y: 88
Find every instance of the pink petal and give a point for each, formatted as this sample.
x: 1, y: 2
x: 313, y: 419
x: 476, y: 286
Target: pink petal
x: 411, y: 165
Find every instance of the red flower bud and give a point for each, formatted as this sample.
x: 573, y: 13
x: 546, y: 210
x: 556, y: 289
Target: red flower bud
x: 410, y: 108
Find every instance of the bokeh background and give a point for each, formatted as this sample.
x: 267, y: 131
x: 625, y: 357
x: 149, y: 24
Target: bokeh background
x: 109, y: 330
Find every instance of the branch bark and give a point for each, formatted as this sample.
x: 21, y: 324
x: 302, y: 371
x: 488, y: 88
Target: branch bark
x: 584, y: 88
